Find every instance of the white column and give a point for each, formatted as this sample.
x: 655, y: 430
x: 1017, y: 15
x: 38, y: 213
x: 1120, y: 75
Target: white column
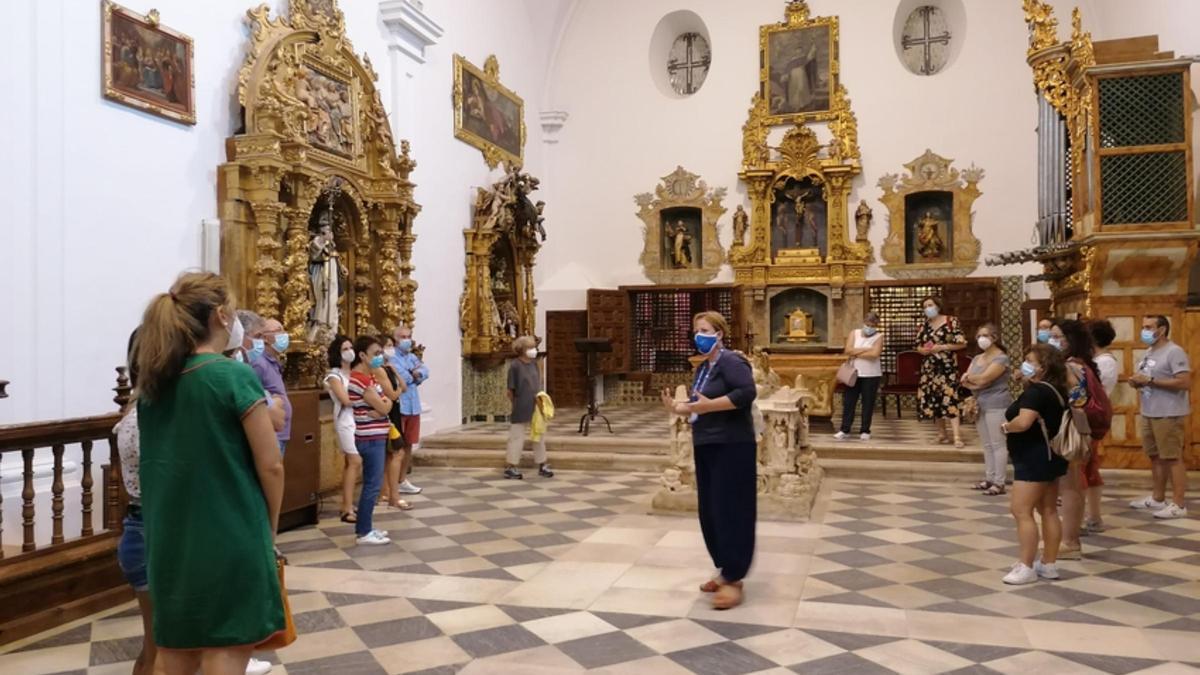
x: 410, y: 32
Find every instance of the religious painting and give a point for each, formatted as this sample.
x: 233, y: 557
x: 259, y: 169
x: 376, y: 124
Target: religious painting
x: 929, y: 238
x: 682, y: 245
x: 799, y: 73
x: 799, y: 217
x: 146, y: 65
x: 331, y: 123
x: 487, y: 114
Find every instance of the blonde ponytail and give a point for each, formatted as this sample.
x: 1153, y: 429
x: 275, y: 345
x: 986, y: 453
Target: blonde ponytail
x: 173, y: 325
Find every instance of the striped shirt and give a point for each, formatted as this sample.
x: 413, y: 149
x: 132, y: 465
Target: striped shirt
x: 368, y: 425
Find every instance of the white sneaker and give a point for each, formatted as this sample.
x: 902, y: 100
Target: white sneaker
x: 257, y: 667
x: 408, y: 488
x: 373, y: 538
x: 1045, y: 571
x: 1020, y: 574
x: 864, y: 437
x: 1170, y: 511
x: 839, y: 436
x: 1147, y: 503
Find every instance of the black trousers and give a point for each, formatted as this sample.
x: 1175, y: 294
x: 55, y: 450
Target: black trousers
x: 868, y: 388
x: 727, y: 493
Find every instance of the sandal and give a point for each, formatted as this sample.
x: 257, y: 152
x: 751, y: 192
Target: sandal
x: 728, y: 596
x: 981, y: 485
x: 349, y: 517
x: 401, y: 504
x: 994, y: 490
x: 958, y: 443
x: 714, y: 585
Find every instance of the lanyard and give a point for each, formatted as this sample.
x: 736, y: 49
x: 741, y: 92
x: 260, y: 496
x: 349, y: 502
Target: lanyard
x: 702, y: 376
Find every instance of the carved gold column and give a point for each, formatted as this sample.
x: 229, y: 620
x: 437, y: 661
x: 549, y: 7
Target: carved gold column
x: 296, y: 292
x: 267, y: 268
x: 384, y: 222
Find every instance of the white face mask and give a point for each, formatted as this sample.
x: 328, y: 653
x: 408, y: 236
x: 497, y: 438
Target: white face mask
x: 984, y: 342
x: 348, y: 356
x: 237, y: 356
x: 389, y: 352
x: 236, y: 335
x: 531, y: 353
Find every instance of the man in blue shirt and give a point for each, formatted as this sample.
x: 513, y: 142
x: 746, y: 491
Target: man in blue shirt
x: 414, y: 373
x: 268, y: 342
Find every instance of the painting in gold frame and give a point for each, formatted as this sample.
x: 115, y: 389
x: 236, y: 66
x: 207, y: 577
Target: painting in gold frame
x: 799, y: 66
x: 488, y: 115
x: 146, y: 65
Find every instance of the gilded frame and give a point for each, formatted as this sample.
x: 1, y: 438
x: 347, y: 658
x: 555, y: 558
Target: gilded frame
x: 111, y: 90
x: 493, y: 152
x: 797, y: 19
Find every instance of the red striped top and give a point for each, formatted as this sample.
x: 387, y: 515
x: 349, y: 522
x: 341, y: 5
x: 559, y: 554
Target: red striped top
x: 368, y: 425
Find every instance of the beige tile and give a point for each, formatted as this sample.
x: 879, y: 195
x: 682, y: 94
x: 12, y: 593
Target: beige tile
x: 496, y: 546
x: 1173, y: 568
x: 626, y: 536
x: 420, y: 655
x: 897, y: 536
x: 1089, y: 639
x: 388, y: 560
x: 790, y: 545
x: 1152, y: 551
x: 564, y: 627
x: 588, y: 551
x: 815, y: 589
x: 682, y: 539
x: 302, y: 534
x: 52, y: 660
x: 515, y: 503
x: 363, y: 613
x: 967, y: 629
x: 1039, y: 662
x: 547, y: 518
x: 525, y: 531
x: 755, y: 610
x: 818, y: 565
x: 322, y: 644
x: 461, y: 566
x: 901, y: 553
x: 675, y: 557
x: 316, y: 557
x: 790, y: 647
x: 910, y: 657
x: 1169, y: 669
x: 781, y: 564
x: 527, y: 572
x: 1013, y: 605
x: 985, y: 559
x: 1187, y: 590
x: 895, y: 522
x: 661, y: 578
x: 980, y: 542
x: 470, y: 619
x: 1174, y: 645
x: 122, y: 668
x: 775, y: 528
x: 114, y: 629
x: 539, y: 661
x: 428, y: 543
x: 642, y: 601
x: 1125, y: 613
x: 655, y: 665
x: 298, y: 602
x: 851, y: 619
x: 673, y: 636
x: 780, y: 586
x: 903, y: 573
x: 904, y: 597
x: 566, y: 584
x: 454, y: 529
x: 464, y: 589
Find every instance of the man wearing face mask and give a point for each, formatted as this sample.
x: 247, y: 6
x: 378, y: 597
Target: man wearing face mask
x: 414, y: 373
x: 524, y: 383
x: 268, y: 342
x: 249, y: 321
x: 1163, y: 378
x: 1043, y: 331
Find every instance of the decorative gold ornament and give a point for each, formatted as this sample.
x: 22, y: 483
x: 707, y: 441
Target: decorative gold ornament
x: 488, y: 115
x: 317, y: 137
x: 937, y: 240
x: 1043, y: 27
x: 679, y: 225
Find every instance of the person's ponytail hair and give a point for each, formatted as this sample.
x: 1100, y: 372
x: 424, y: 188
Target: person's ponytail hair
x: 174, y: 324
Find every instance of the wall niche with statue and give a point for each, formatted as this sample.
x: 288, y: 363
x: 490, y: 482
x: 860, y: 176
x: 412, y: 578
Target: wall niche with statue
x: 680, y: 230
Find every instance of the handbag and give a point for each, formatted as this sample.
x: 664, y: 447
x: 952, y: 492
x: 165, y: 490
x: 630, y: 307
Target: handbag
x: 287, y: 636
x: 847, y: 374
x: 968, y: 410
x: 1071, y: 441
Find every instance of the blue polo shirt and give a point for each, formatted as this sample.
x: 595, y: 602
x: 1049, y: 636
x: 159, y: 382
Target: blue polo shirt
x: 270, y: 373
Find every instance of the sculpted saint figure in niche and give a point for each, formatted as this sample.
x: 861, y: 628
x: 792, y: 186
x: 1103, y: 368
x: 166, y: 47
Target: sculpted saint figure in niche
x: 929, y: 237
x: 325, y: 273
x: 681, y: 245
x: 740, y: 224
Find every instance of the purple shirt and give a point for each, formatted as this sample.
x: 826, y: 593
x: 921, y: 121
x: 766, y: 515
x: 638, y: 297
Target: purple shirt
x: 270, y: 373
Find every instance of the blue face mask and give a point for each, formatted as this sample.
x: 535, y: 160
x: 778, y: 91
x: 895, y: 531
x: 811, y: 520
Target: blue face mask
x: 932, y: 312
x: 377, y: 361
x: 1028, y: 370
x: 1044, y: 335
x: 869, y: 330
x: 1057, y: 343
x: 1148, y: 336
x: 405, y: 345
x: 705, y: 342
x: 257, y: 347
x: 282, y: 340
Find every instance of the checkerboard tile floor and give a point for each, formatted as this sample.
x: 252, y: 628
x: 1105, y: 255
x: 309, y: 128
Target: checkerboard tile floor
x: 886, y: 578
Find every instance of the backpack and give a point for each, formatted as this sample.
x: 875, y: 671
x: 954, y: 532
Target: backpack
x: 1098, y: 407
x: 1071, y: 441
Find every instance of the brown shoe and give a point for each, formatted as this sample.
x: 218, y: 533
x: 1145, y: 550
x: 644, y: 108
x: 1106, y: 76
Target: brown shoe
x: 713, y: 585
x: 728, y: 596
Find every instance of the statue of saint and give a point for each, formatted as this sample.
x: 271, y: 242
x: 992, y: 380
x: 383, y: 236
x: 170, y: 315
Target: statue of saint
x: 741, y: 223
x: 929, y: 237
x: 681, y: 245
x: 500, y: 276
x: 325, y: 273
x: 862, y: 220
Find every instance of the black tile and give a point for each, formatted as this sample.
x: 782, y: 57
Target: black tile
x: 955, y: 589
x: 976, y: 669
x: 513, y: 558
x: 934, y: 531
x: 338, y: 565
x: 1117, y: 665
x: 856, y: 559
x: 593, y: 513
x: 1166, y: 602
x: 344, y: 599
x: 851, y: 641
x: 959, y: 608
x: 422, y: 568
x: 435, y: 606
x: 723, y: 658
x: 861, y: 513
x: 1058, y: 595
x: 544, y: 540
x: 307, y: 545
x: 1180, y: 543
x: 605, y: 650
x: 448, y: 519
x: 410, y: 533
x: 630, y: 621
x: 976, y: 653
x: 81, y: 671
x: 354, y: 663
x: 115, y: 651
x: 842, y: 664
x: 492, y: 573
x: 70, y: 637
x: 857, y: 540
x: 1072, y: 616
x: 932, y: 517
x: 396, y: 631
x: 476, y: 537
x: 736, y: 631
x: 483, y: 643
x: 472, y: 507
x: 318, y: 620
x: 440, y: 670
x: 439, y: 554
x: 854, y: 599
x: 569, y: 525
x: 1142, y: 578
x: 504, y: 523
x: 523, y: 614
x: 946, y: 566
x: 852, y: 580
x: 1186, y: 625
x: 856, y: 526
x: 939, y: 547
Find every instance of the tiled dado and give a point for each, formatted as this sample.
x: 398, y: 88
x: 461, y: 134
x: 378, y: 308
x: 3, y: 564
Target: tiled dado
x: 483, y: 393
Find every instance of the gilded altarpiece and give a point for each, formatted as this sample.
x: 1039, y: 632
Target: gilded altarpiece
x: 801, y: 267
x: 315, y: 150
x: 679, y: 224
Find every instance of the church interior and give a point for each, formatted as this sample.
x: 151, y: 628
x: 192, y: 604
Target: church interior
x: 844, y: 183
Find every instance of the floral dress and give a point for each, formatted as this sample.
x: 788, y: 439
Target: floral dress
x: 937, y: 395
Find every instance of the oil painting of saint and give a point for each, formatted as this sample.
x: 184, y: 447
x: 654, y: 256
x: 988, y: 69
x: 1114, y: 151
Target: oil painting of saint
x: 147, y: 66
x: 799, y: 77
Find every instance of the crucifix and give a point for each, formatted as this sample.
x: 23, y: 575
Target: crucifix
x: 691, y: 64
x: 926, y: 40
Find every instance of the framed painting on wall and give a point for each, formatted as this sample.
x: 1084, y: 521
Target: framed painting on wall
x: 488, y: 115
x: 146, y: 65
x: 799, y: 66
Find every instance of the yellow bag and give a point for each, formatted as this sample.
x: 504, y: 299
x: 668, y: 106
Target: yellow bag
x: 543, y: 412
x: 393, y: 433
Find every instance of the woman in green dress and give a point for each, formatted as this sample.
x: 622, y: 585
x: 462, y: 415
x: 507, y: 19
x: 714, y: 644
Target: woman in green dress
x: 212, y: 483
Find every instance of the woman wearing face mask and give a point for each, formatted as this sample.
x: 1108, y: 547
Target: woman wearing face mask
x: 1032, y: 419
x: 725, y: 448
x: 371, y: 426
x: 1043, y: 331
x: 937, y: 394
x: 211, y: 482
x: 987, y: 378
x: 864, y: 345
x: 337, y: 383
x: 393, y: 386
x: 1073, y: 340
x: 524, y: 383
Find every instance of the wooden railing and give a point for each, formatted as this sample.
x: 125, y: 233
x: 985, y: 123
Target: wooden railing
x: 74, y: 573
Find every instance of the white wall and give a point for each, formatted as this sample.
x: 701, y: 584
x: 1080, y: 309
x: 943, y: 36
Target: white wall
x: 103, y: 203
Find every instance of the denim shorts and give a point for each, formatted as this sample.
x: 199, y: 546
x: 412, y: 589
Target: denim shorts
x: 131, y: 550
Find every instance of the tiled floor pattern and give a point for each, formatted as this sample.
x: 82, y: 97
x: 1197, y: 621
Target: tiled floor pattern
x: 886, y: 578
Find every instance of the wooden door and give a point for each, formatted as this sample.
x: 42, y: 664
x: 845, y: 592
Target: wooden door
x: 565, y: 379
x: 608, y: 316
x: 974, y: 303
